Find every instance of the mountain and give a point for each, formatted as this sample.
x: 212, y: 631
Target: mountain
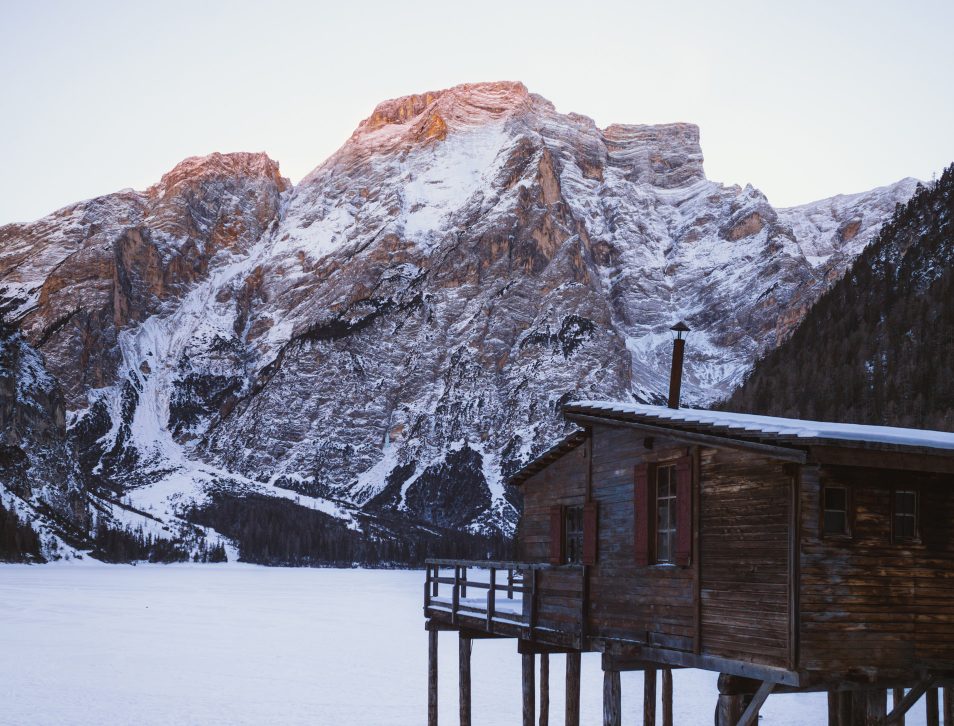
x: 391, y: 337
x: 882, y: 336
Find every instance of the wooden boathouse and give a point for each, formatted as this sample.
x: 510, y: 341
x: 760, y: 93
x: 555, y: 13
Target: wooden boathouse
x: 786, y: 555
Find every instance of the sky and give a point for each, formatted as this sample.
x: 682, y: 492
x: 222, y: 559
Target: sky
x: 804, y: 100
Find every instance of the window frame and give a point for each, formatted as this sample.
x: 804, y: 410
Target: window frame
x: 572, y: 538
x: 672, y: 517
x: 848, y: 532
x: 915, y: 538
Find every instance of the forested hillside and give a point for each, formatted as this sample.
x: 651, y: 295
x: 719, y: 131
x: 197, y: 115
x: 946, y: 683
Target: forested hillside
x: 878, y: 347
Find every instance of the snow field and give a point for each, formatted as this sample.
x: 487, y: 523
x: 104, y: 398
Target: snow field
x: 239, y: 644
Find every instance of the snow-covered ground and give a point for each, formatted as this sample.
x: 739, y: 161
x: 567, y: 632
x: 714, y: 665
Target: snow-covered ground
x: 237, y: 644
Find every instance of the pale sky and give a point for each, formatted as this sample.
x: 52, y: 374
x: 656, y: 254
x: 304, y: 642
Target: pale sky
x: 802, y: 99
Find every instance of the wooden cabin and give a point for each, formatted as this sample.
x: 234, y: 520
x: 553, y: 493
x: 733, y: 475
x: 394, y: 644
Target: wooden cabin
x: 786, y: 555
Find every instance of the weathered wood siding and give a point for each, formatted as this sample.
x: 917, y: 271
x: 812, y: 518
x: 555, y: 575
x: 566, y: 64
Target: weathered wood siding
x: 744, y: 524
x: 652, y: 604
x: 559, y: 589
x: 868, y: 605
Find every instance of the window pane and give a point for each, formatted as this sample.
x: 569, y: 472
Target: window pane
x: 836, y: 523
x: 662, y: 523
x: 904, y: 502
x: 836, y: 498
x: 662, y: 482
x: 662, y: 547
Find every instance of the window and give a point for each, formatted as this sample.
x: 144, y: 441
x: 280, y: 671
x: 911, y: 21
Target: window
x: 905, y: 515
x: 665, y: 513
x: 835, y: 511
x: 573, y: 535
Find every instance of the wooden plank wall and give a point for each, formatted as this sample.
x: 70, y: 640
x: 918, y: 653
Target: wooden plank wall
x: 652, y: 604
x: 559, y: 590
x: 744, y: 543
x: 868, y: 606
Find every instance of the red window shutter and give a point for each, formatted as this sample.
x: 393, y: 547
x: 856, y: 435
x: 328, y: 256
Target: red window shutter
x: 556, y: 534
x: 641, y: 513
x: 683, y: 511
x: 590, y: 532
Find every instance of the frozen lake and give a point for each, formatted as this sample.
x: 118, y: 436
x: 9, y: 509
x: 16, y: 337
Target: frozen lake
x: 239, y: 644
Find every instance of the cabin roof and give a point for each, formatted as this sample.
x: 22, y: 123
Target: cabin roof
x: 780, y: 431
x: 568, y: 443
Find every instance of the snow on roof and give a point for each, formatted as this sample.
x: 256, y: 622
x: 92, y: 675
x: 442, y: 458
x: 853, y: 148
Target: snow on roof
x: 751, y: 426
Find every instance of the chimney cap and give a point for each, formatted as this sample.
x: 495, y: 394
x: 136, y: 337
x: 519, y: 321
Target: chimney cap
x: 680, y: 327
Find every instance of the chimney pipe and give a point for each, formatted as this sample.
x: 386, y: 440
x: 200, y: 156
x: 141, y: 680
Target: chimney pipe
x: 678, y: 351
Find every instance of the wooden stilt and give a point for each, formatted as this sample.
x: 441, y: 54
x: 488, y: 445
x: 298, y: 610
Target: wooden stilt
x: 728, y: 709
x: 896, y: 695
x: 649, y: 697
x: 612, y: 702
x: 844, y: 708
x: 859, y: 708
x: 833, y: 709
x: 529, y: 705
x: 466, y: 644
x: 432, y: 678
x: 948, y: 707
x: 666, y: 697
x: 877, y: 706
x: 572, y: 689
x: 544, y: 689
x: 931, y: 717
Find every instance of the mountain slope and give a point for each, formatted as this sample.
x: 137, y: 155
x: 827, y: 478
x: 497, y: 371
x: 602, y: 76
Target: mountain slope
x: 882, y: 335
x: 398, y: 331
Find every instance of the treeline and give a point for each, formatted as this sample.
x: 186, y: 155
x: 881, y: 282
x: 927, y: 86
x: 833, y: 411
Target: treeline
x: 878, y: 347
x: 113, y: 544
x: 19, y: 542
x: 272, y: 531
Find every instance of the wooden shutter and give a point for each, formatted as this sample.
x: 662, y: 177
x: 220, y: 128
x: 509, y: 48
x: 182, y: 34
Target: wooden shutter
x: 683, y: 511
x: 590, y: 532
x: 642, y: 509
x: 556, y: 534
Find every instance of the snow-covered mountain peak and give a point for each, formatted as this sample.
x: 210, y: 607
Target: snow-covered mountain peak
x: 236, y: 165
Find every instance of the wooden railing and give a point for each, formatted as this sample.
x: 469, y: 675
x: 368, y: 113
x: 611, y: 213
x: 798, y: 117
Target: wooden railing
x: 508, y: 591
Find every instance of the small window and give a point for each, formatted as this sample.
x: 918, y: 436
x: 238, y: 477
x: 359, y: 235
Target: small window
x: 573, y: 534
x: 836, y: 511
x: 905, y: 515
x: 665, y: 513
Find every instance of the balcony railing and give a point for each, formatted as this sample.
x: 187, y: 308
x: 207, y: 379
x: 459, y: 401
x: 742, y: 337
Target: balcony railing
x: 494, y: 594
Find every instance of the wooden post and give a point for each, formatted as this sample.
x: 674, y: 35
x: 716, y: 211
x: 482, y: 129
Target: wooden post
x: 491, y: 599
x: 896, y: 695
x: 612, y: 702
x: 930, y: 706
x: 455, y: 596
x: 845, y: 699
x: 948, y: 707
x: 859, y: 708
x: 666, y: 697
x: 833, y: 708
x: 649, y: 697
x: 877, y: 699
x: 463, y: 582
x: 572, y: 689
x: 528, y: 694
x: 544, y: 689
x: 465, y: 645
x: 432, y: 677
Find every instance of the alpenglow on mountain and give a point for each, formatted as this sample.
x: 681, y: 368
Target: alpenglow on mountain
x: 397, y: 332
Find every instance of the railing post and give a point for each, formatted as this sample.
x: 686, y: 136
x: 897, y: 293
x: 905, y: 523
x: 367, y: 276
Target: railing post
x: 463, y: 581
x: 510, y: 583
x: 427, y: 587
x: 455, y: 599
x: 491, y: 599
x: 435, y: 583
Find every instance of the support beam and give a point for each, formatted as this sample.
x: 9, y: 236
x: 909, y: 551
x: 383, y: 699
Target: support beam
x: 544, y: 689
x: 612, y: 701
x: 529, y: 705
x: 833, y: 708
x: 649, y: 698
x: 572, y: 689
x: 845, y: 703
x: 750, y: 716
x: 728, y: 709
x: 432, y: 677
x: 909, y: 700
x: 930, y: 708
x: 666, y: 697
x: 465, y: 645
x: 948, y: 706
x: 897, y: 695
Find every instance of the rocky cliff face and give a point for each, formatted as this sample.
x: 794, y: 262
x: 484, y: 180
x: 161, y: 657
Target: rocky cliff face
x: 398, y: 331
